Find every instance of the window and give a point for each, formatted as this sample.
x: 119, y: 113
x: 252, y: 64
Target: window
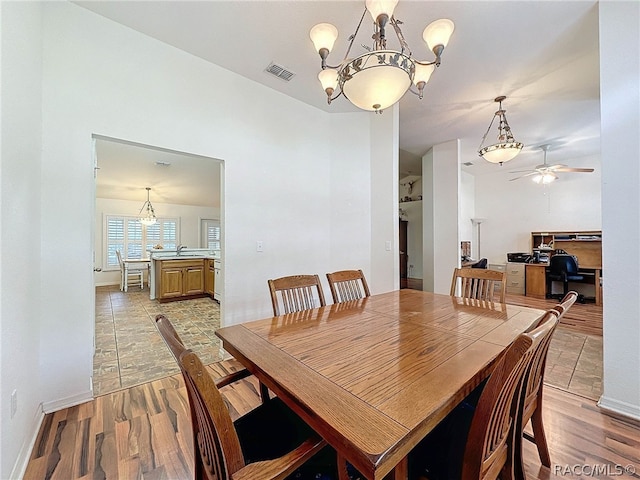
x: 133, y: 239
x: 211, y: 234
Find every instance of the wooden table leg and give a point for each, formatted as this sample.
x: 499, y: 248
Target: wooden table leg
x: 401, y: 472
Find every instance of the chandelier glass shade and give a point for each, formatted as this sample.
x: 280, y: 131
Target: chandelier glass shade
x: 380, y: 77
x: 506, y: 147
x: 149, y: 217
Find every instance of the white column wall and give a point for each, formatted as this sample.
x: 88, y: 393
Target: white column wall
x: 620, y: 121
x: 441, y: 200
x: 21, y: 142
x: 385, y: 262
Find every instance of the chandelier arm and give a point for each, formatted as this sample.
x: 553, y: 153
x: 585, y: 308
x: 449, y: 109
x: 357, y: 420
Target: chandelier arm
x: 403, y: 43
x: 426, y: 64
x: 353, y: 37
x: 484, y: 137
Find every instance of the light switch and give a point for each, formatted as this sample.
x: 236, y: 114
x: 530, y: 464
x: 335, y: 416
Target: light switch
x: 387, y: 245
x: 259, y: 246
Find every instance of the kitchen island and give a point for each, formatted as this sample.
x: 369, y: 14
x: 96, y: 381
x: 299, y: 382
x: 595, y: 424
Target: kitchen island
x: 182, y: 274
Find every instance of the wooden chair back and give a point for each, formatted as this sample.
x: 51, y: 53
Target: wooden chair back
x: 295, y: 293
x: 532, y: 391
x: 479, y: 284
x: 491, y: 444
x: 347, y: 285
x: 217, y: 448
x: 564, y: 305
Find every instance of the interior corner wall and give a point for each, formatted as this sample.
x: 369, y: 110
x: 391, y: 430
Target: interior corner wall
x: 620, y: 124
x: 441, y: 200
x: 20, y: 232
x: 385, y: 259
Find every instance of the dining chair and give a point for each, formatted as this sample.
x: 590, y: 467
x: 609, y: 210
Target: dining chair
x: 532, y: 392
x: 479, y: 284
x: 126, y: 274
x: 347, y: 285
x: 268, y: 443
x: 295, y: 293
x: 478, y: 441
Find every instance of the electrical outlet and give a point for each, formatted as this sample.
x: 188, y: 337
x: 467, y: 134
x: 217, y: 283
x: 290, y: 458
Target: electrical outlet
x: 259, y: 246
x: 14, y: 403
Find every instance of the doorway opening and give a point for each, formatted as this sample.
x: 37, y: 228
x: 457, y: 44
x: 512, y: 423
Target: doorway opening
x: 185, y: 189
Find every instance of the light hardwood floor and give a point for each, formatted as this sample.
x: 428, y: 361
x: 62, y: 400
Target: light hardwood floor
x: 144, y: 432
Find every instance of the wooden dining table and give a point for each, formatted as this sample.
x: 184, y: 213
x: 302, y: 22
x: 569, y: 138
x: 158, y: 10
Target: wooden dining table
x: 374, y: 376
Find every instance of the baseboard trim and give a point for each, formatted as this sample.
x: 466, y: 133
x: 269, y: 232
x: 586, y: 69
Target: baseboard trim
x: 20, y: 466
x: 618, y: 408
x: 72, y: 401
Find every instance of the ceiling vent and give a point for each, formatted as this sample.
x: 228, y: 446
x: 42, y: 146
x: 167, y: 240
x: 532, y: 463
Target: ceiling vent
x: 280, y: 72
x: 468, y: 164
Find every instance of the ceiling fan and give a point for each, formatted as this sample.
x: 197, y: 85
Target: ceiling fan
x: 546, y: 173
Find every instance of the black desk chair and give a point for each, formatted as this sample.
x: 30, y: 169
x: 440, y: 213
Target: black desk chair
x: 482, y: 263
x: 562, y: 268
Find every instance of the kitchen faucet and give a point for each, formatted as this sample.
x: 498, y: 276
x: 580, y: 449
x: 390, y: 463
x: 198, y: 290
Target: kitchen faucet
x: 180, y: 248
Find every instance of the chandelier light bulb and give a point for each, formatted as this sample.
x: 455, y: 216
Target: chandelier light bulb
x: 438, y: 33
x: 323, y: 36
x: 423, y: 73
x: 381, y: 7
x: 329, y: 80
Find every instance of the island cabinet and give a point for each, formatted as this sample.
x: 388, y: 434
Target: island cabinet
x: 177, y: 279
x: 209, y: 277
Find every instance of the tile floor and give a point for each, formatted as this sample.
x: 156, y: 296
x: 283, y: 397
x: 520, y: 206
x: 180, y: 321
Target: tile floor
x: 129, y: 350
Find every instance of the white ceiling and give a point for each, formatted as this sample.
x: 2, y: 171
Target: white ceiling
x: 125, y: 169
x: 543, y: 55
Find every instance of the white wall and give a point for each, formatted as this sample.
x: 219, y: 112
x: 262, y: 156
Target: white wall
x: 468, y: 232
x: 21, y: 73
x: 279, y: 173
x: 512, y: 210
x: 440, y: 204
x: 188, y: 216
x: 620, y: 121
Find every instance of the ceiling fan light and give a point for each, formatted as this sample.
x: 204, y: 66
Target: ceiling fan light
x: 438, y: 33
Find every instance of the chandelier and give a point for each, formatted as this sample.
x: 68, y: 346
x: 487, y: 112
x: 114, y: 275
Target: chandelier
x: 150, y: 215
x: 380, y: 77
x: 506, y: 148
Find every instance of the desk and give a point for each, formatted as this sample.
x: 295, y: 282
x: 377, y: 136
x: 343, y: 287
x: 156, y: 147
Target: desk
x: 374, y: 376
x: 536, y: 280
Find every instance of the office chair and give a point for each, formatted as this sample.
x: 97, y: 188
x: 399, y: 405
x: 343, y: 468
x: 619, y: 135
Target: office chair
x: 482, y: 263
x: 562, y: 268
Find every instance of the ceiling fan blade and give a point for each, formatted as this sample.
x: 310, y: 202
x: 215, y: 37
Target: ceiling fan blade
x: 575, y: 170
x: 522, y: 176
x: 524, y: 171
x: 556, y: 167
